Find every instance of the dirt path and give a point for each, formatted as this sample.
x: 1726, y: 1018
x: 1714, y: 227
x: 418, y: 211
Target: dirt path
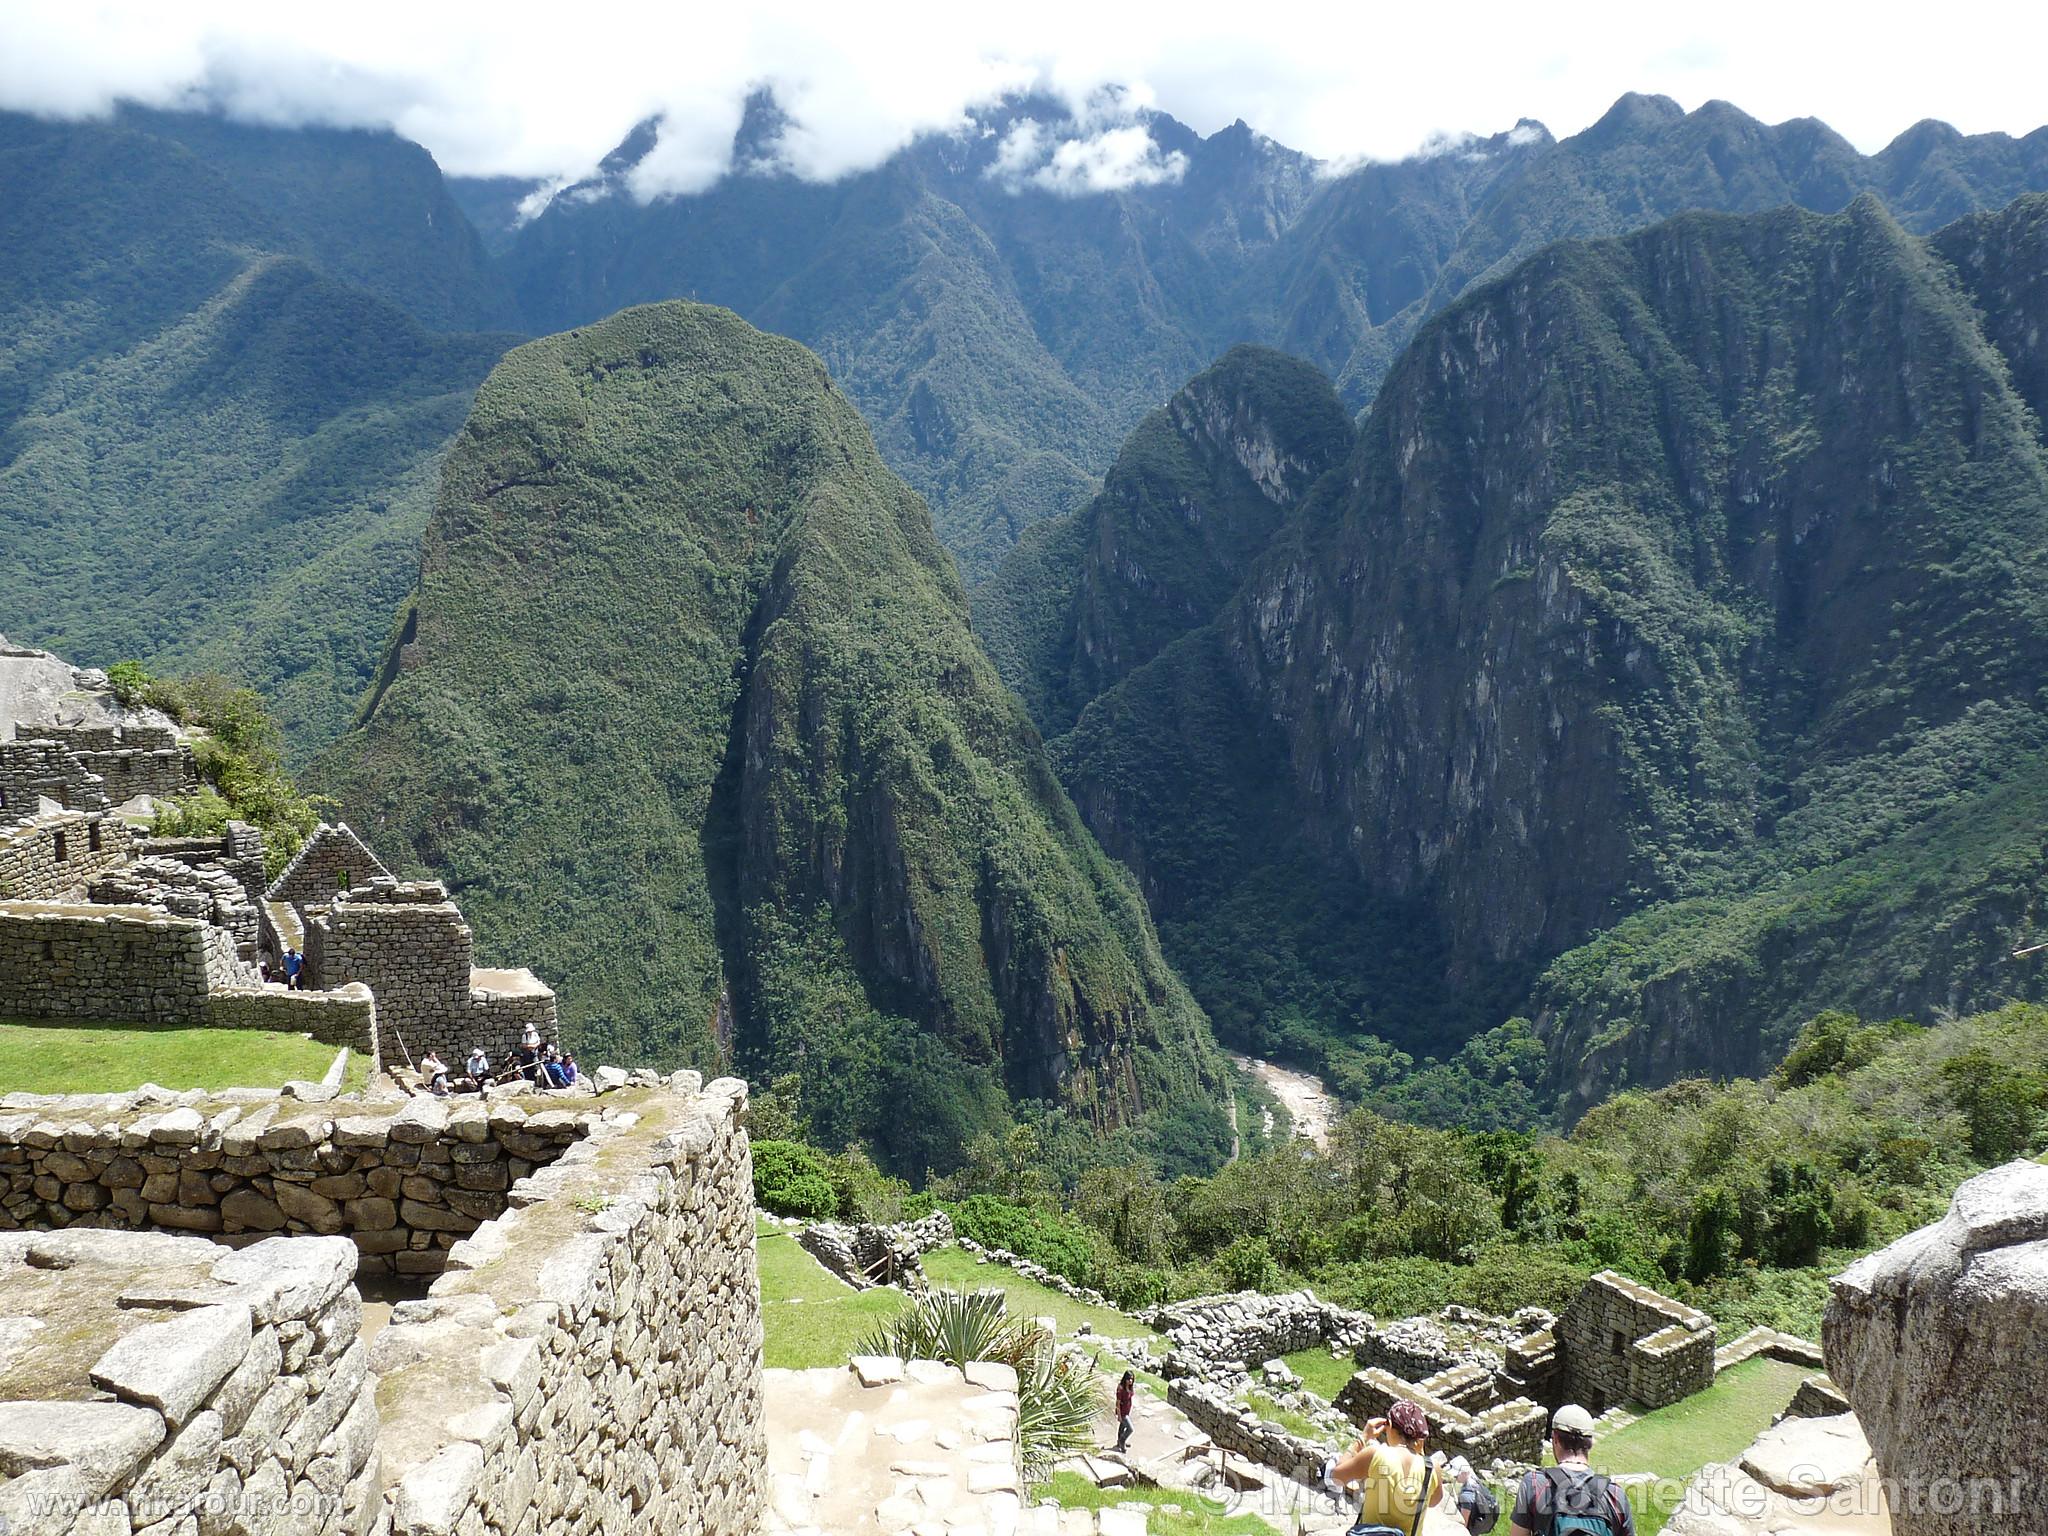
x: 1307, y: 1100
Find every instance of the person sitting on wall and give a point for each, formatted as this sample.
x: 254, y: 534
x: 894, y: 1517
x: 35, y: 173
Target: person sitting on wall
x: 567, y: 1070
x: 551, y: 1066
x: 1396, y: 1480
x: 477, y: 1071
x: 1570, y: 1496
x: 434, y: 1073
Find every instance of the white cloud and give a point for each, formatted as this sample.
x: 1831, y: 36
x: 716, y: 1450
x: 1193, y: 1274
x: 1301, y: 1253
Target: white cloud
x: 520, y: 87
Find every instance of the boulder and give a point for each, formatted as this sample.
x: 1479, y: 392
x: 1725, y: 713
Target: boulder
x: 1937, y: 1342
x: 1807, y: 1458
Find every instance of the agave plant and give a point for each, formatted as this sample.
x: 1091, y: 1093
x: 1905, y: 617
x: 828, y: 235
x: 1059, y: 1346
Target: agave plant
x: 1058, y: 1397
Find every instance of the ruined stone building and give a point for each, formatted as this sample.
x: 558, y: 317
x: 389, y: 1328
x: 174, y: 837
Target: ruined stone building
x: 98, y: 920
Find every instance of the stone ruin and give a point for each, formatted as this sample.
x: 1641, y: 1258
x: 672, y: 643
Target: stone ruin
x: 1221, y: 1338
x: 98, y: 921
x: 1489, y: 1384
x: 867, y: 1254
x: 588, y: 1360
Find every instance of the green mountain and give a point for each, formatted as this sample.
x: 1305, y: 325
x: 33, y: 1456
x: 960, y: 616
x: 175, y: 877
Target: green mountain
x: 1003, y: 329
x: 226, y: 394
x: 1666, y: 660
x: 688, y: 708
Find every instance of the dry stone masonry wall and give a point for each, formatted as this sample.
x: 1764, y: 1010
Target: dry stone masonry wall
x: 592, y: 1359
x: 333, y: 860
x: 53, y: 856
x: 165, y: 1384
x: 33, y: 771
x: 1621, y: 1342
x: 404, y: 1184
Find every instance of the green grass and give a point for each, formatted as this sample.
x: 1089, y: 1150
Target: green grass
x: 1294, y: 1423
x: 808, y: 1317
x: 956, y: 1267
x: 1715, y: 1425
x: 1074, y: 1492
x: 52, y: 1057
x: 1320, y: 1372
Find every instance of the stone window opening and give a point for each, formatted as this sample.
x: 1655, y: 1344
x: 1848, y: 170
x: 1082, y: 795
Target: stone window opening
x: 1621, y: 1343
x: 92, y: 837
x: 127, y: 763
x: 49, y: 950
x: 62, y: 853
x: 3, y: 798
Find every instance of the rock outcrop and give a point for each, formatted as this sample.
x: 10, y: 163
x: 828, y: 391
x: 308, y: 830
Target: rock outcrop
x: 1938, y: 1342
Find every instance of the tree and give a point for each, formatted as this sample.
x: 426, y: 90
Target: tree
x: 2002, y: 1103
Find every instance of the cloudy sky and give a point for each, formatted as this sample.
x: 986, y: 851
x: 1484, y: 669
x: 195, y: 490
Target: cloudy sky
x: 545, y: 89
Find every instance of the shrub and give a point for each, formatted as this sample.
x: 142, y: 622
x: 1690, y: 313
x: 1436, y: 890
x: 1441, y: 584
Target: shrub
x: 790, y: 1180
x: 1058, y: 1243
x: 1248, y: 1263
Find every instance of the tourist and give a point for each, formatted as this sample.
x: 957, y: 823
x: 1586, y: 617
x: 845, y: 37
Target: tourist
x: 294, y: 964
x: 1390, y: 1464
x: 1126, y: 1394
x: 1478, y: 1509
x: 434, y: 1073
x: 1570, y: 1496
x: 567, y: 1070
x: 477, y: 1070
x: 526, y: 1059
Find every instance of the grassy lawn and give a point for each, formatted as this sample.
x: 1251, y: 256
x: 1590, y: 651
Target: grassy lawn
x: 1074, y: 1492
x: 1271, y: 1411
x: 1319, y: 1372
x: 1715, y: 1425
x: 955, y: 1267
x: 811, y: 1318
x: 50, y: 1056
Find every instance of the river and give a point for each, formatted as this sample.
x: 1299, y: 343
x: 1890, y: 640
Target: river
x: 1307, y: 1100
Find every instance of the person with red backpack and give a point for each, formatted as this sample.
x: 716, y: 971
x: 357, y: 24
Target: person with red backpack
x: 1571, y: 1499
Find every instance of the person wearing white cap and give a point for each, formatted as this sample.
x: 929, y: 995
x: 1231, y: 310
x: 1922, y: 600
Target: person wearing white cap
x: 1571, y: 1499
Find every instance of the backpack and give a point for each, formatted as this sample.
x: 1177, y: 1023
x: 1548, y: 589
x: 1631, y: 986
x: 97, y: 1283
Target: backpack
x: 1578, y: 1506
x: 1478, y: 1508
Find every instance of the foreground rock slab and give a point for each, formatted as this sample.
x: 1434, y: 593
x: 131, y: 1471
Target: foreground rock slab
x: 1938, y: 1340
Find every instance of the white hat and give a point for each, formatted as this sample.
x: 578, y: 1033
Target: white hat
x: 1571, y: 1419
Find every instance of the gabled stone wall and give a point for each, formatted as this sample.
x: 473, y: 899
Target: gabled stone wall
x: 1621, y: 1342
x: 334, y: 860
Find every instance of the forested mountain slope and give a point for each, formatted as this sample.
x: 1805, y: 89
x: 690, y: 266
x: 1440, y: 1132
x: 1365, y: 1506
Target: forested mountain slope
x: 1003, y: 330
x: 687, y: 707
x: 225, y: 393
x: 1676, y: 631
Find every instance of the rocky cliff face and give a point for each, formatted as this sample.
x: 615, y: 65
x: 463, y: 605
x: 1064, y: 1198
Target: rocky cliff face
x: 1192, y: 499
x: 688, y: 708
x: 1655, y: 553
x: 1673, y: 632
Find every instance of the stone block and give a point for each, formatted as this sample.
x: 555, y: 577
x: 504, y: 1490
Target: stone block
x: 172, y: 1366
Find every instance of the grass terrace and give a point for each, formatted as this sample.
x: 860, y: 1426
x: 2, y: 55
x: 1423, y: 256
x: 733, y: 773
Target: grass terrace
x: 63, y: 1056
x: 1321, y: 1372
x: 810, y: 1317
x: 955, y: 1267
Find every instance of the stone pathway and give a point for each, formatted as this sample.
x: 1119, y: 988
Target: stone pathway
x: 888, y: 1446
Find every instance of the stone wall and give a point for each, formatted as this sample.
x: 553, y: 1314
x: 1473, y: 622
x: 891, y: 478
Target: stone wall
x: 184, y: 890
x: 407, y: 942
x: 404, y: 1184
x: 33, y: 770
x: 347, y: 1015
x: 1247, y: 1327
x: 49, y: 858
x: 333, y: 860
x: 589, y: 1361
x: 592, y: 1360
x: 174, y: 1387
x: 867, y: 1254
x: 1621, y: 1342
x: 1506, y: 1431
x: 124, y: 963
x: 1237, y: 1429
x: 128, y: 760
x: 238, y: 851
